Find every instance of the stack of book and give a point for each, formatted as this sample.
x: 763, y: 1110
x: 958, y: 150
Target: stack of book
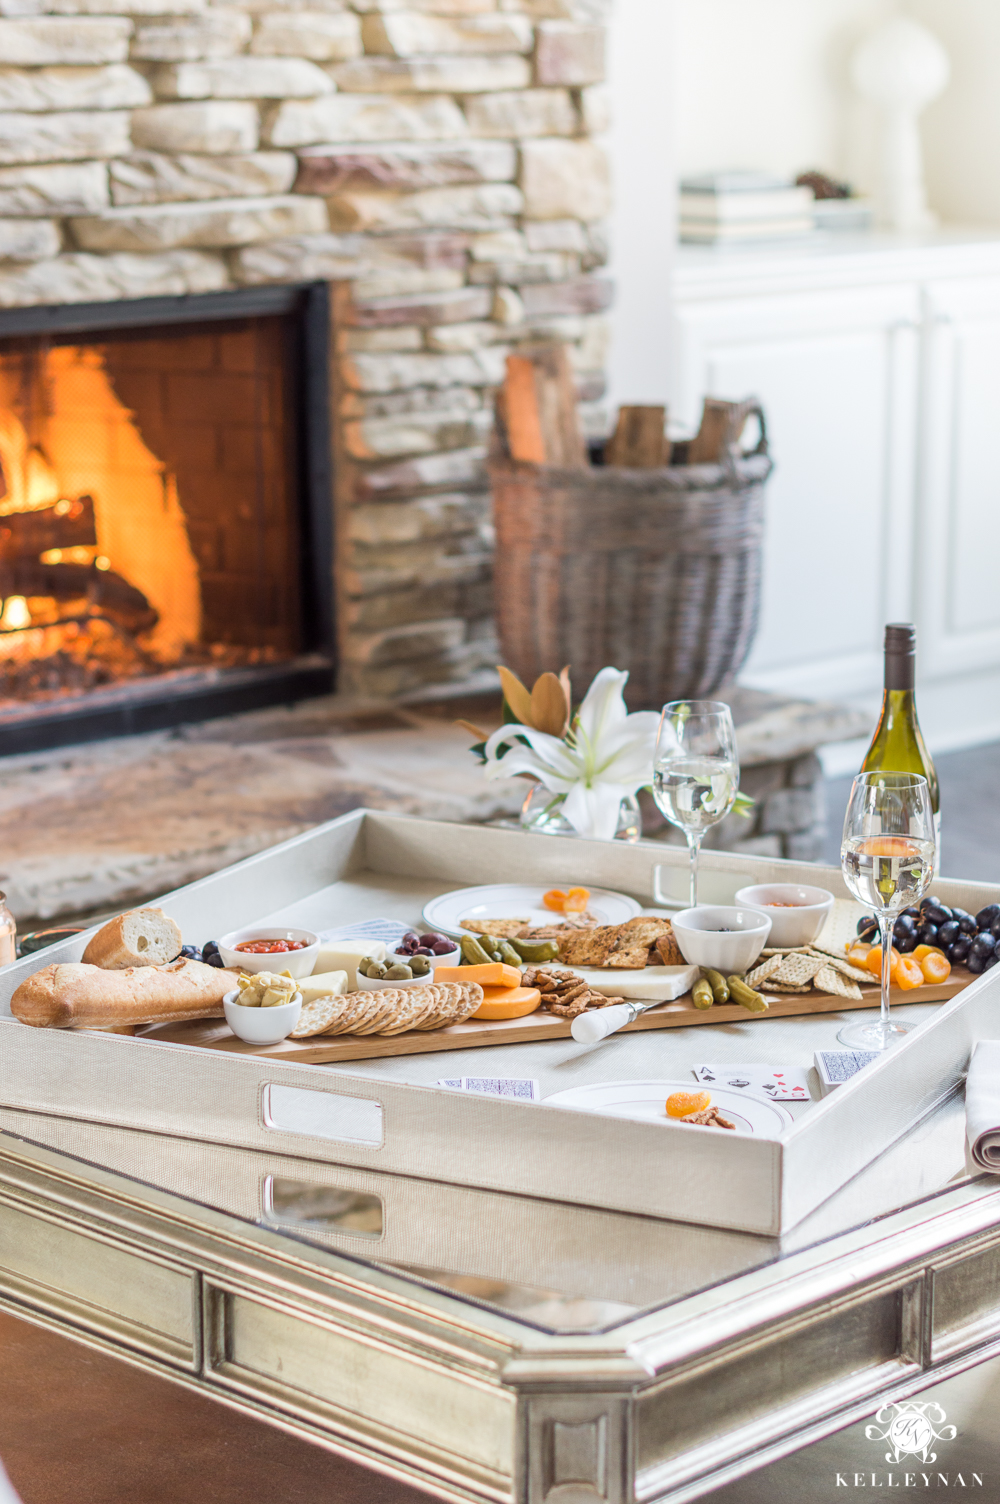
x: 728, y: 207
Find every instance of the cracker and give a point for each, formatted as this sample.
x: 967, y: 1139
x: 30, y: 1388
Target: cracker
x: 828, y: 979
x: 846, y: 969
x: 796, y: 970
x: 786, y: 987
x: 317, y: 1016
x: 500, y: 929
x: 628, y: 958
x: 666, y: 951
x: 358, y: 1004
x: 469, y: 1005
x: 419, y: 1003
x: 644, y: 929
x: 447, y: 997
x: 787, y: 950
x: 766, y: 969
x: 589, y: 947
x: 381, y: 1009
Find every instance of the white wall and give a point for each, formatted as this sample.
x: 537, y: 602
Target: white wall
x: 962, y: 129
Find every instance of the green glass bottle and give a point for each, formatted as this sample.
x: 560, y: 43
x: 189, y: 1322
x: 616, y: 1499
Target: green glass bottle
x: 898, y: 745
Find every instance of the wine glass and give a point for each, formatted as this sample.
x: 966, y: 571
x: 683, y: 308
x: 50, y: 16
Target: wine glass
x: 696, y: 771
x: 887, y: 856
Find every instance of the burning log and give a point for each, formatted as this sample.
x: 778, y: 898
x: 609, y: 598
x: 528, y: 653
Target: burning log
x: 64, y: 524
x: 106, y: 592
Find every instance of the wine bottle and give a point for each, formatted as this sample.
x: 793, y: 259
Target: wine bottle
x: 898, y: 745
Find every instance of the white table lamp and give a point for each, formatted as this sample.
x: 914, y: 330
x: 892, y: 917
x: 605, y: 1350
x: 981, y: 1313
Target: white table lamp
x: 900, y: 69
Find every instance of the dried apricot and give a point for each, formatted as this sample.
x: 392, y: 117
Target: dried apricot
x: 935, y: 967
x: 858, y: 955
x: 926, y: 950
x: 680, y: 1104
x: 873, y: 961
x: 908, y: 973
x: 577, y: 900
x: 555, y: 898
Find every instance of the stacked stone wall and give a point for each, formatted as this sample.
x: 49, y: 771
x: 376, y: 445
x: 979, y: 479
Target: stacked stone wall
x: 432, y: 157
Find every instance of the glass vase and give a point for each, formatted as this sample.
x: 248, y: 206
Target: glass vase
x: 542, y: 813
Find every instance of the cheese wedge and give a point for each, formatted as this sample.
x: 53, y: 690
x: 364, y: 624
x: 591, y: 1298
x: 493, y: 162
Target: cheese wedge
x: 661, y: 984
x: 496, y: 974
x: 507, y: 1002
x: 328, y: 984
x: 344, y: 955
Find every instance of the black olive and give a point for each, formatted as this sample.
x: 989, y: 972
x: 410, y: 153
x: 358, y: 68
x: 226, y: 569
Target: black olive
x: 958, y: 950
x: 905, y: 943
x: 976, y: 964
x: 215, y: 960
x: 983, y: 945
x: 986, y: 916
x: 949, y: 932
x: 867, y: 926
x: 191, y: 952
x: 932, y: 911
x: 927, y: 934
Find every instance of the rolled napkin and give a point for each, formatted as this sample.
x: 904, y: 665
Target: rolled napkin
x: 982, y: 1105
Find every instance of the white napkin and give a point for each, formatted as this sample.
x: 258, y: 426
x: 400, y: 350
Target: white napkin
x: 982, y: 1105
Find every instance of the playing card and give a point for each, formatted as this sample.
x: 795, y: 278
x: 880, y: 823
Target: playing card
x: 519, y: 1089
x: 789, y: 1084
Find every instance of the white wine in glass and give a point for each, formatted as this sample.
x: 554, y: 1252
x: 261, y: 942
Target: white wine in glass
x: 887, y: 857
x: 696, y: 771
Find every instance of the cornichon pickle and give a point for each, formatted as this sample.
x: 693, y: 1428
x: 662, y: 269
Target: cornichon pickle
x: 508, y: 953
x: 745, y: 996
x: 718, y: 984
x: 536, y: 951
x: 473, y: 953
x: 701, y: 994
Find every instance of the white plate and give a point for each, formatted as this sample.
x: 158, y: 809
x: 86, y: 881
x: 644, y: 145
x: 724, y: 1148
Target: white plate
x: 647, y: 1102
x: 512, y: 900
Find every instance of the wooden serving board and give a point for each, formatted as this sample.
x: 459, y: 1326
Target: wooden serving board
x: 215, y: 1034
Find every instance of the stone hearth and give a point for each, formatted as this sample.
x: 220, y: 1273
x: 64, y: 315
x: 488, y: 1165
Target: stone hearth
x: 98, y: 827
x: 433, y: 158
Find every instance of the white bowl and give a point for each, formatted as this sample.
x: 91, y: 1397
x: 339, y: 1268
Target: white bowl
x: 450, y: 958
x: 703, y: 939
x: 261, y: 1025
x: 797, y: 926
x: 298, y: 963
x: 375, y: 984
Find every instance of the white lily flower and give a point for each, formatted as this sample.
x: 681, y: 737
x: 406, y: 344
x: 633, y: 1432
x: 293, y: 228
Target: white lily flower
x: 605, y: 756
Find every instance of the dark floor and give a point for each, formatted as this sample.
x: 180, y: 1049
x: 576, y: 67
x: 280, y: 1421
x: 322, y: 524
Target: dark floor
x: 970, y: 814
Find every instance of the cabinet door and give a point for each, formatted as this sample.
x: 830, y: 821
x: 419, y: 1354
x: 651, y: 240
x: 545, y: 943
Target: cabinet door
x: 959, y: 534
x: 837, y: 373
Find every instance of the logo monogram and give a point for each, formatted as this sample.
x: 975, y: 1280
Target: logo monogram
x: 909, y: 1428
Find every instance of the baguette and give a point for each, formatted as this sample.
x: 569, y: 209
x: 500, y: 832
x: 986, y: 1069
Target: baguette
x: 142, y: 937
x: 78, y: 996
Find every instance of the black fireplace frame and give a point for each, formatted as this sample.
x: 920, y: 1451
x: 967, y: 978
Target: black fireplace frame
x: 154, y: 704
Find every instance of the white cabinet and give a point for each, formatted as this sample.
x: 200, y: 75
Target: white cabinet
x: 878, y: 365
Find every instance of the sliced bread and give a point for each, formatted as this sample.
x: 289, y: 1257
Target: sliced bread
x: 142, y: 937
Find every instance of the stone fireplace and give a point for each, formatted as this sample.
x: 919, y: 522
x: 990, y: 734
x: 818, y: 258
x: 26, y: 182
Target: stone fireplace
x: 237, y: 240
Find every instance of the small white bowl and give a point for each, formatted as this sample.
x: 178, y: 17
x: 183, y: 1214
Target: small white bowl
x: 450, y: 958
x: 261, y: 1025
x: 726, y: 939
x: 797, y: 926
x: 375, y: 984
x: 298, y: 963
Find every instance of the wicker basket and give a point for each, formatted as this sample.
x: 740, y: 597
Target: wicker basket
x: 654, y: 571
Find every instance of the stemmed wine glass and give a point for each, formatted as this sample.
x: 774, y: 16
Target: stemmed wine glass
x: 887, y: 856
x: 696, y: 770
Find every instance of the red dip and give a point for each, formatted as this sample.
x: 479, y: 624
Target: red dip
x: 270, y: 947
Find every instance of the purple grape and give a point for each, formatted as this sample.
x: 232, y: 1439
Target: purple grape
x: 442, y: 947
x: 423, y: 950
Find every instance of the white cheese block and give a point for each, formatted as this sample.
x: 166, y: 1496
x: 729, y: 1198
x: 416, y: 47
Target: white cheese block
x: 324, y: 984
x: 660, y: 983
x: 344, y: 955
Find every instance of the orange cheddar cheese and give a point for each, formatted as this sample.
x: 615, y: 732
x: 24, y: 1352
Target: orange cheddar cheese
x: 507, y: 1002
x: 496, y: 974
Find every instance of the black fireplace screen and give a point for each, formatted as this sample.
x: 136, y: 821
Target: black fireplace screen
x: 162, y: 520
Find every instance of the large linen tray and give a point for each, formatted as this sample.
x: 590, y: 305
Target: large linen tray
x: 368, y: 864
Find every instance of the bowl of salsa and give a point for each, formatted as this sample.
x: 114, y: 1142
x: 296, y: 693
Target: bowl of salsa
x: 270, y: 947
x: 797, y: 913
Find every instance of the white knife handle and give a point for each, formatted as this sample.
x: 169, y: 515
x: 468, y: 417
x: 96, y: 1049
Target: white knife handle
x: 591, y: 1028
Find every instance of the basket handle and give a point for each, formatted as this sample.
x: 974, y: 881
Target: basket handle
x: 750, y: 408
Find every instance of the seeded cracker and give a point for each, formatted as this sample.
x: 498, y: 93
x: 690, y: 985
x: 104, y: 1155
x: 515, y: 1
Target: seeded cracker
x: 500, y: 929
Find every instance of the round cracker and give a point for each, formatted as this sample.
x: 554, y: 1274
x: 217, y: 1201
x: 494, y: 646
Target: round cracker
x: 420, y: 1003
x: 357, y: 1004
x: 316, y: 1017
x: 388, y: 1001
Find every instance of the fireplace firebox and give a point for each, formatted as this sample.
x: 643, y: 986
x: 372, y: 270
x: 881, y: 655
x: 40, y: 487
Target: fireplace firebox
x: 165, y: 512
